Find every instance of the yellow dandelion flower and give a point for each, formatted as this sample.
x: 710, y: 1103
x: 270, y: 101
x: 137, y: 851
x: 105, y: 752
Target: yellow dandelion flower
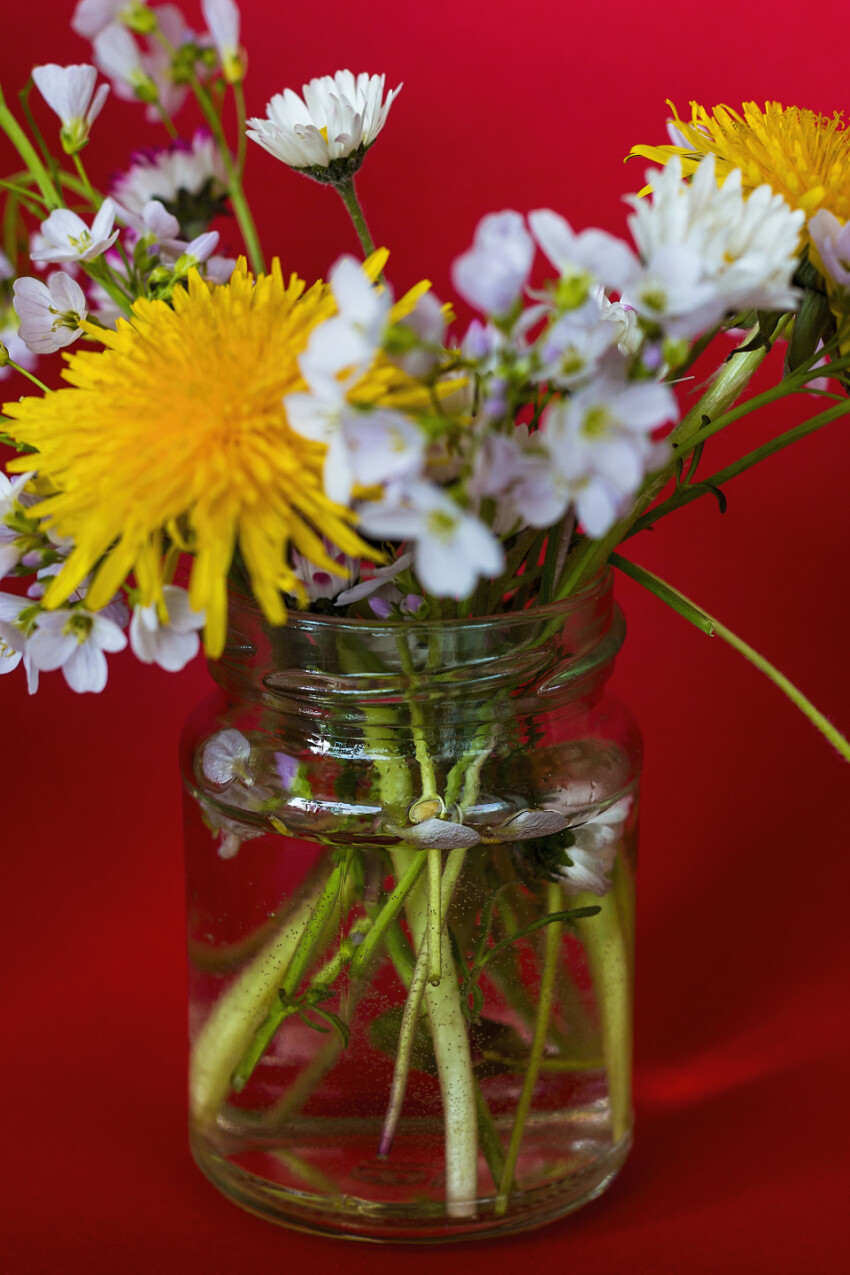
x: 802, y: 156
x: 176, y: 432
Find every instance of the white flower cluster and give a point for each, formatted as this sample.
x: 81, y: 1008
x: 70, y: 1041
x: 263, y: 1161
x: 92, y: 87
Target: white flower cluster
x: 187, y: 177
x: 382, y: 447
x: 706, y: 251
x: 73, y: 637
x: 586, y: 356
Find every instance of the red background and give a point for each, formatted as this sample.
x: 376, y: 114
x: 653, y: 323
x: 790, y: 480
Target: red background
x: 743, y: 1045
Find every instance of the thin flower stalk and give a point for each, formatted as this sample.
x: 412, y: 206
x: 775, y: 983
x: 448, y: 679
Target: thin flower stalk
x: 451, y: 1049
x: 386, y: 916
x: 551, y: 953
x: 324, y: 918
x: 348, y: 195
x: 702, y: 620
x: 688, y: 492
x: 607, y: 948
x: 241, y: 1010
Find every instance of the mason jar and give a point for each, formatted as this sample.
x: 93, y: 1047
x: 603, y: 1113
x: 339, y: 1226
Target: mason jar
x: 410, y: 855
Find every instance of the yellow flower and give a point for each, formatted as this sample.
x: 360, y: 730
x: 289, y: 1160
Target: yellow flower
x: 802, y: 156
x: 176, y: 434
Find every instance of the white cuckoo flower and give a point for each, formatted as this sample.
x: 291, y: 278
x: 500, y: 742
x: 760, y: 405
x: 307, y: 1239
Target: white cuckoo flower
x: 66, y: 237
x: 452, y: 547
x: 222, y: 19
x: 50, y: 313
x: 589, y: 255
x: 706, y: 250
x: 70, y: 92
x: 171, y: 643
x: 832, y: 241
x: 118, y: 55
x: 75, y: 640
x: 599, y: 441
x: 92, y: 16
x: 10, y: 495
x: 493, y: 272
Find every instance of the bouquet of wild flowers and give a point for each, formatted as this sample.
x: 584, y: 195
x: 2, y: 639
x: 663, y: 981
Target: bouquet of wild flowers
x: 330, y: 450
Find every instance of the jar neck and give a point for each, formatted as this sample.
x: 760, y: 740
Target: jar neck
x: 539, y: 660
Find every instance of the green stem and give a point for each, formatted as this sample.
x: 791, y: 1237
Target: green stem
x: 348, y: 195
x: 28, y: 154
x: 417, y: 717
x: 27, y: 197
x: 686, y: 494
x: 488, y: 1136
x: 387, y: 915
x: 100, y: 271
x: 606, y: 946
x: 238, y: 1014
x: 91, y: 194
x: 727, y: 384
x: 451, y: 1047
x: 552, y: 945
x: 241, y: 135
x: 327, y: 906
x: 23, y: 371
x: 234, y: 179
x: 435, y: 924
x: 702, y: 620
x: 48, y: 159
x: 413, y: 1004
x: 170, y: 126
x: 404, y: 1053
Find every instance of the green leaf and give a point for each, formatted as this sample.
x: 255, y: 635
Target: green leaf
x: 709, y: 486
x: 571, y: 914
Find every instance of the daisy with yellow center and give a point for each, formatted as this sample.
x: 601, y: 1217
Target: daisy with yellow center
x: 176, y: 434
x: 802, y: 156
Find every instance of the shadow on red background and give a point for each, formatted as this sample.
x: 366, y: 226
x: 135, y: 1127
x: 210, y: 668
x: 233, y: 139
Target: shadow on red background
x: 743, y: 1043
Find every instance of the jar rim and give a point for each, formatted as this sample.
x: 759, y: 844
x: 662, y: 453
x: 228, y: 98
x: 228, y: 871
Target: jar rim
x: 596, y: 587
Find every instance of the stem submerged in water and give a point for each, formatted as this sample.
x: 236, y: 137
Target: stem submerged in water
x: 551, y: 950
x: 451, y: 1045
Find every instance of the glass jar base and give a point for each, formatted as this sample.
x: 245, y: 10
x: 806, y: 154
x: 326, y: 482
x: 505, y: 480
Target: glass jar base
x: 346, y: 1216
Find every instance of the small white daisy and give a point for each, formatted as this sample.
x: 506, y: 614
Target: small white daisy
x: 327, y: 131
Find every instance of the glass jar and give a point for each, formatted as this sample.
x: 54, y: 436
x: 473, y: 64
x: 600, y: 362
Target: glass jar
x: 410, y: 867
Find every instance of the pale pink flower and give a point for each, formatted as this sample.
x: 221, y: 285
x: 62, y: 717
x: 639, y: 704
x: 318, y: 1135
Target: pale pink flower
x: 50, y: 313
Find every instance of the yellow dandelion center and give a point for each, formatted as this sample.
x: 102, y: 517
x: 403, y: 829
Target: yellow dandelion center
x: 803, y: 156
x: 177, y: 432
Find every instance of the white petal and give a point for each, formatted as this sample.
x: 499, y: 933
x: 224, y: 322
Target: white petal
x: 51, y: 649
x: 106, y: 633
x: 223, y: 754
x: 86, y: 669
